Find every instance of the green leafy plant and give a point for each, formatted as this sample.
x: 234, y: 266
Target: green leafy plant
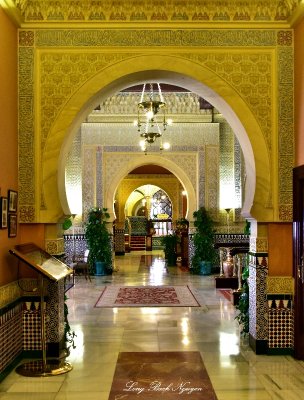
x: 247, y: 228
x: 98, y: 238
x: 243, y: 305
x: 169, y: 242
x: 203, y: 239
x: 69, y: 334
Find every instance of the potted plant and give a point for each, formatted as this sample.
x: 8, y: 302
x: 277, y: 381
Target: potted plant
x: 69, y: 334
x: 205, y: 254
x: 243, y: 304
x: 98, y: 241
x: 169, y: 242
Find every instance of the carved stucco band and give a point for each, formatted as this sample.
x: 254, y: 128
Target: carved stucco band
x: 26, y: 133
x: 88, y: 178
x: 280, y: 285
x: 149, y: 11
x: 212, y: 178
x: 285, y: 131
x: 201, y: 176
x: 99, y: 175
x: 255, y: 72
x: 158, y: 38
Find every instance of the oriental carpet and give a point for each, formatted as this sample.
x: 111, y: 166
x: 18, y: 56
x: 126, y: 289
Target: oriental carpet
x: 147, y: 296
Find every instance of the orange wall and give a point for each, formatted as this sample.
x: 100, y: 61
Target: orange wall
x: 299, y: 93
x: 8, y: 135
x: 32, y: 233
x: 280, y: 249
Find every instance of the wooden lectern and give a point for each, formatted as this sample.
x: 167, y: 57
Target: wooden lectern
x: 50, y: 268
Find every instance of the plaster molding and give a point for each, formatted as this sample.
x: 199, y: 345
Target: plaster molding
x: 107, y: 13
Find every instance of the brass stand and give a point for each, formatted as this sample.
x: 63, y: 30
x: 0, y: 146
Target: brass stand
x: 43, y: 367
x: 240, y: 270
x: 221, y: 263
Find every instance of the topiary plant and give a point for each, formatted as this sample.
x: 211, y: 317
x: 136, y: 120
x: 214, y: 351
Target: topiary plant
x: 98, y: 238
x: 203, y: 239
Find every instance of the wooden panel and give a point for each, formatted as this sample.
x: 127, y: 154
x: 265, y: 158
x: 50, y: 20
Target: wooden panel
x: 298, y: 245
x: 280, y: 249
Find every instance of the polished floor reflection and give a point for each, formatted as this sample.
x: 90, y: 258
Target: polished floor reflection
x: 236, y: 373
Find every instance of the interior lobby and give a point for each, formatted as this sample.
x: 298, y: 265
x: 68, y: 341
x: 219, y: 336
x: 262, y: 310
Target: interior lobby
x: 230, y: 73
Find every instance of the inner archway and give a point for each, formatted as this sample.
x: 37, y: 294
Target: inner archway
x: 148, y: 191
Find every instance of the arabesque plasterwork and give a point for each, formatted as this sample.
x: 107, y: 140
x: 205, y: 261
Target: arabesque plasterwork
x: 63, y: 71
x: 88, y: 178
x: 258, y: 245
x: 114, y: 164
x: 149, y: 11
x: 177, y: 38
x: 54, y: 246
x: 280, y: 285
x: 212, y: 179
x: 14, y: 290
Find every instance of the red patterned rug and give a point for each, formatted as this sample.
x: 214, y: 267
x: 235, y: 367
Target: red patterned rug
x: 163, y: 375
x: 147, y: 296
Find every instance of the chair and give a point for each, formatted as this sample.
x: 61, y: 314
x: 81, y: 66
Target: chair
x: 81, y: 265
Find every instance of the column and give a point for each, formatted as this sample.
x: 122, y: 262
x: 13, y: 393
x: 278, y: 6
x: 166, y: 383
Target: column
x: 258, y: 272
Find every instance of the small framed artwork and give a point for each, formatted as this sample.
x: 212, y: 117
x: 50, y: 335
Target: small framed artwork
x: 3, y: 211
x: 12, y: 201
x: 12, y: 225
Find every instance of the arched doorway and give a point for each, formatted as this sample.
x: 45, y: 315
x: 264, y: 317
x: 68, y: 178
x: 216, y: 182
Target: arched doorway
x: 257, y: 172
x: 142, y: 188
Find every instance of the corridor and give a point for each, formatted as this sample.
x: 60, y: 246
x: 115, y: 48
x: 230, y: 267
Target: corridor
x: 236, y: 373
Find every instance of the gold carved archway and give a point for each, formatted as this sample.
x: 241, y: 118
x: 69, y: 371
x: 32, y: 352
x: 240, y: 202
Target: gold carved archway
x: 234, y: 78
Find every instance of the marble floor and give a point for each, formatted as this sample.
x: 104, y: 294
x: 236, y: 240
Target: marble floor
x: 236, y: 373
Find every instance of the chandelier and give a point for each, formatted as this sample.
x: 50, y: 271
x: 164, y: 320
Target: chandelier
x: 151, y: 117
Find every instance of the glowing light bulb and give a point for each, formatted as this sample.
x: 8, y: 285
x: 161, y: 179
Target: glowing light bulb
x: 149, y: 115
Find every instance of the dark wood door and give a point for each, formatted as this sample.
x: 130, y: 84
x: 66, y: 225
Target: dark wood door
x: 298, y: 262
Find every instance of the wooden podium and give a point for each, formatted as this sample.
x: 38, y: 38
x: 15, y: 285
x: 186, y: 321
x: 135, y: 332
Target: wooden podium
x: 49, y: 268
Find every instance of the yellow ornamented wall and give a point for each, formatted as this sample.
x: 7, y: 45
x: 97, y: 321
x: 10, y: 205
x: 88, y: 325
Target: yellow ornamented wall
x: 62, y: 70
x: 299, y: 94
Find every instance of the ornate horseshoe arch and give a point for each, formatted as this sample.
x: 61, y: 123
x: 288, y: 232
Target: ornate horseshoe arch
x: 176, y: 70
x: 155, y: 160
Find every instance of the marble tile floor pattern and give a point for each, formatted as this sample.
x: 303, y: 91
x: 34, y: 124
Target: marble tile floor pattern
x: 235, y: 371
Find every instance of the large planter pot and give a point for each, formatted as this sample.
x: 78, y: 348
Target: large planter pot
x: 205, y: 268
x: 100, y: 268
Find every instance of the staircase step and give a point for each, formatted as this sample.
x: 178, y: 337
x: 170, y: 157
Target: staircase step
x: 137, y: 243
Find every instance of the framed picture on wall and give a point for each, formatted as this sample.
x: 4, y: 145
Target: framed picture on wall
x: 12, y: 225
x: 12, y: 201
x: 3, y: 211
